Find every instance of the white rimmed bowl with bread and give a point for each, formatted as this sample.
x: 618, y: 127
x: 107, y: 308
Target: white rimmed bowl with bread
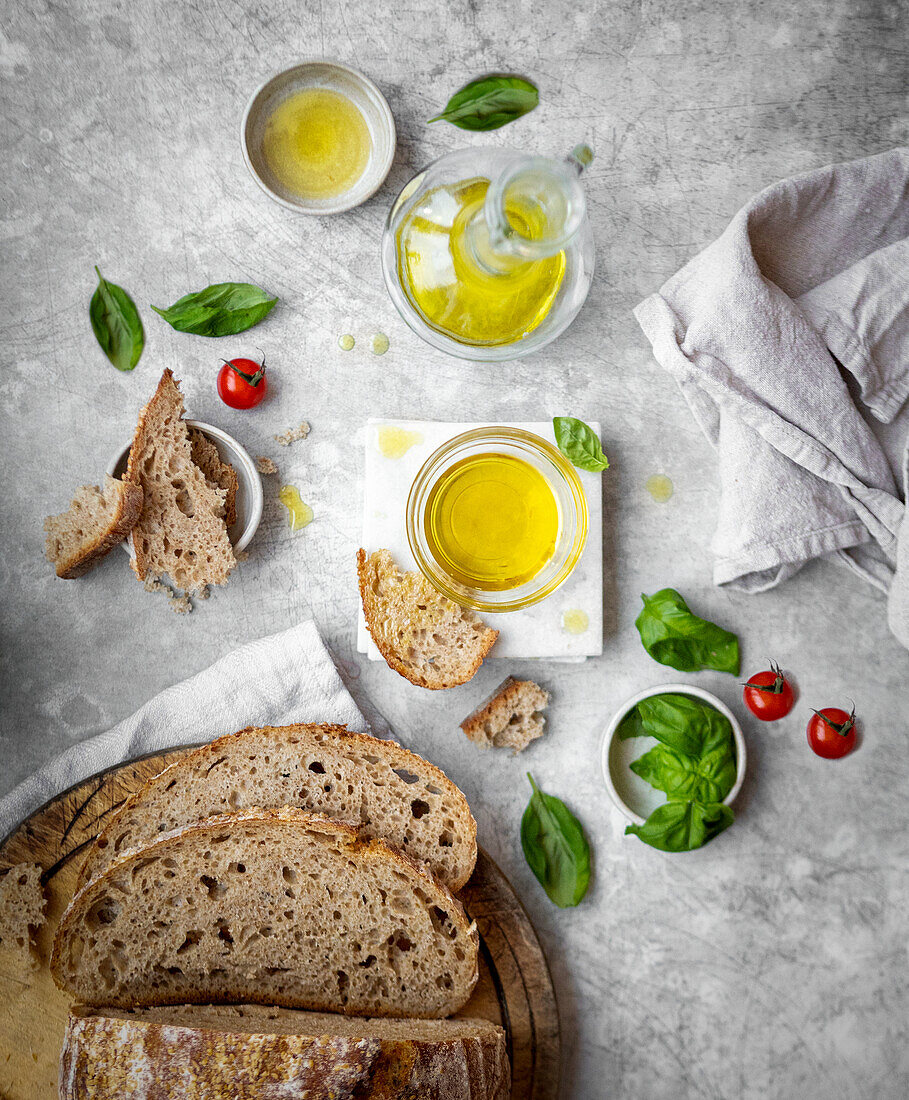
x: 631, y: 795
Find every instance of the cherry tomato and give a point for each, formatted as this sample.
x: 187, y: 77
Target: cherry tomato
x: 242, y: 383
x: 831, y: 732
x: 768, y: 695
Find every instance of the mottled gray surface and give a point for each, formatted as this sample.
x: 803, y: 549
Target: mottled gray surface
x: 772, y: 964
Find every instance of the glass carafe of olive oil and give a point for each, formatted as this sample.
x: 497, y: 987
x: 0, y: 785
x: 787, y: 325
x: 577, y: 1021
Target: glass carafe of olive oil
x: 488, y: 253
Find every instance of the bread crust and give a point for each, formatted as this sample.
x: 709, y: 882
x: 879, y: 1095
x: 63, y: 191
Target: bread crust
x: 358, y: 848
x: 134, y: 1056
x: 392, y: 658
x: 399, y: 757
x: 129, y: 508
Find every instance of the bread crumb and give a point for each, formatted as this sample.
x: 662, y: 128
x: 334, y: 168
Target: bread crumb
x: 265, y: 465
x: 179, y: 601
x: 293, y: 434
x: 510, y: 718
x: 22, y: 908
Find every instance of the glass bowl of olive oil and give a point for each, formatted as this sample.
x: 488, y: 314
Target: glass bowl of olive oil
x: 497, y: 519
x: 318, y: 138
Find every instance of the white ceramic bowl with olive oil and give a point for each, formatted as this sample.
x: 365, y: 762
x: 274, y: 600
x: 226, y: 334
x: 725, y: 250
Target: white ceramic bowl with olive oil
x: 318, y: 138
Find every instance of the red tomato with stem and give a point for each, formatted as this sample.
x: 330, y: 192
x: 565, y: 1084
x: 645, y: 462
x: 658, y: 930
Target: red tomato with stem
x: 242, y: 383
x: 768, y: 695
x: 831, y: 732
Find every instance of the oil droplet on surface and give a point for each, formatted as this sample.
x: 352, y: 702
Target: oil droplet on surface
x: 575, y: 621
x: 346, y: 342
x: 660, y: 488
x: 396, y: 442
x: 379, y: 343
x: 300, y: 513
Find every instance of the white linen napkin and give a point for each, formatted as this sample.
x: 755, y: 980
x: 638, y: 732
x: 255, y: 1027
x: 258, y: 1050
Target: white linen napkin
x: 813, y: 267
x: 535, y: 632
x: 295, y: 680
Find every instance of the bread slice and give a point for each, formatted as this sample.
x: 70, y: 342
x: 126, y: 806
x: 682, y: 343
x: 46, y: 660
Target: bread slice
x: 249, y: 1051
x: 422, y: 635
x: 218, y: 473
x: 95, y: 522
x: 181, y: 530
x: 387, y: 791
x: 272, y: 906
x: 21, y: 911
x: 510, y: 718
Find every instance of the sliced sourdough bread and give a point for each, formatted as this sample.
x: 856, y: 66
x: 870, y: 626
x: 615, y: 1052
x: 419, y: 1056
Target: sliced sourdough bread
x: 387, y: 791
x: 22, y: 906
x: 272, y: 906
x: 181, y: 531
x: 422, y: 635
x: 218, y: 473
x: 510, y: 718
x: 95, y: 522
x: 250, y: 1052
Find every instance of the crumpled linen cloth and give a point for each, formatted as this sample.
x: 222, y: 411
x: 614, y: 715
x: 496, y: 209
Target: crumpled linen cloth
x: 285, y: 678
x: 784, y: 335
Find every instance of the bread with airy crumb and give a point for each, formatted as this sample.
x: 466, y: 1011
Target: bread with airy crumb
x: 376, y: 785
x: 510, y: 718
x: 250, y: 1052
x: 425, y: 637
x: 218, y: 473
x: 274, y: 907
x: 95, y: 522
x: 22, y: 907
x: 181, y: 531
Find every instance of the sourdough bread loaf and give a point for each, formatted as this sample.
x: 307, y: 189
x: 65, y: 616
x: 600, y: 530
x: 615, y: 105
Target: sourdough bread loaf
x: 181, y: 531
x: 422, y: 635
x: 272, y: 906
x: 95, y: 522
x: 249, y: 1052
x: 387, y: 791
x: 22, y: 907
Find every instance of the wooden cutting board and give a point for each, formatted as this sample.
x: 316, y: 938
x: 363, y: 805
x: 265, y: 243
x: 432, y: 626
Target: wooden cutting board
x: 514, y: 990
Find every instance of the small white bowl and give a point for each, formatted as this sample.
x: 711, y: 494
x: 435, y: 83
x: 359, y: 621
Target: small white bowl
x: 361, y: 91
x: 615, y: 755
x: 250, y: 496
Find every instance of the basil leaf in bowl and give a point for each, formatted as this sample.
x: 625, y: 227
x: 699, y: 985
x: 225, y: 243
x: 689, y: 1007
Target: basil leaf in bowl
x: 490, y: 102
x: 708, y: 778
x: 116, y: 324
x: 223, y: 309
x: 683, y: 826
x: 673, y: 635
x: 555, y: 848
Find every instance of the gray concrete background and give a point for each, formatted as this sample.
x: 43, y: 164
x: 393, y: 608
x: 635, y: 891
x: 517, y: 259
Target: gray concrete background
x: 771, y: 964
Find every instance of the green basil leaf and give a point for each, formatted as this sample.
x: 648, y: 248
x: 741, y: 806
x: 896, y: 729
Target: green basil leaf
x: 631, y: 725
x: 708, y: 778
x: 674, y: 636
x: 116, y: 324
x: 684, y: 722
x: 222, y: 309
x: 683, y: 826
x: 490, y: 102
x: 579, y: 443
x: 555, y: 848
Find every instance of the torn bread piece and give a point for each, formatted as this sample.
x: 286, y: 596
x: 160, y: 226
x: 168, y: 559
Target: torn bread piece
x: 181, y: 531
x: 96, y: 521
x: 425, y: 637
x: 510, y: 718
x: 22, y: 906
x: 218, y: 473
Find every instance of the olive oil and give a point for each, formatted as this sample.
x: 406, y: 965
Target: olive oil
x: 453, y: 279
x: 492, y: 521
x: 300, y: 513
x: 660, y: 488
x: 317, y: 143
x: 575, y: 621
x: 395, y: 442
